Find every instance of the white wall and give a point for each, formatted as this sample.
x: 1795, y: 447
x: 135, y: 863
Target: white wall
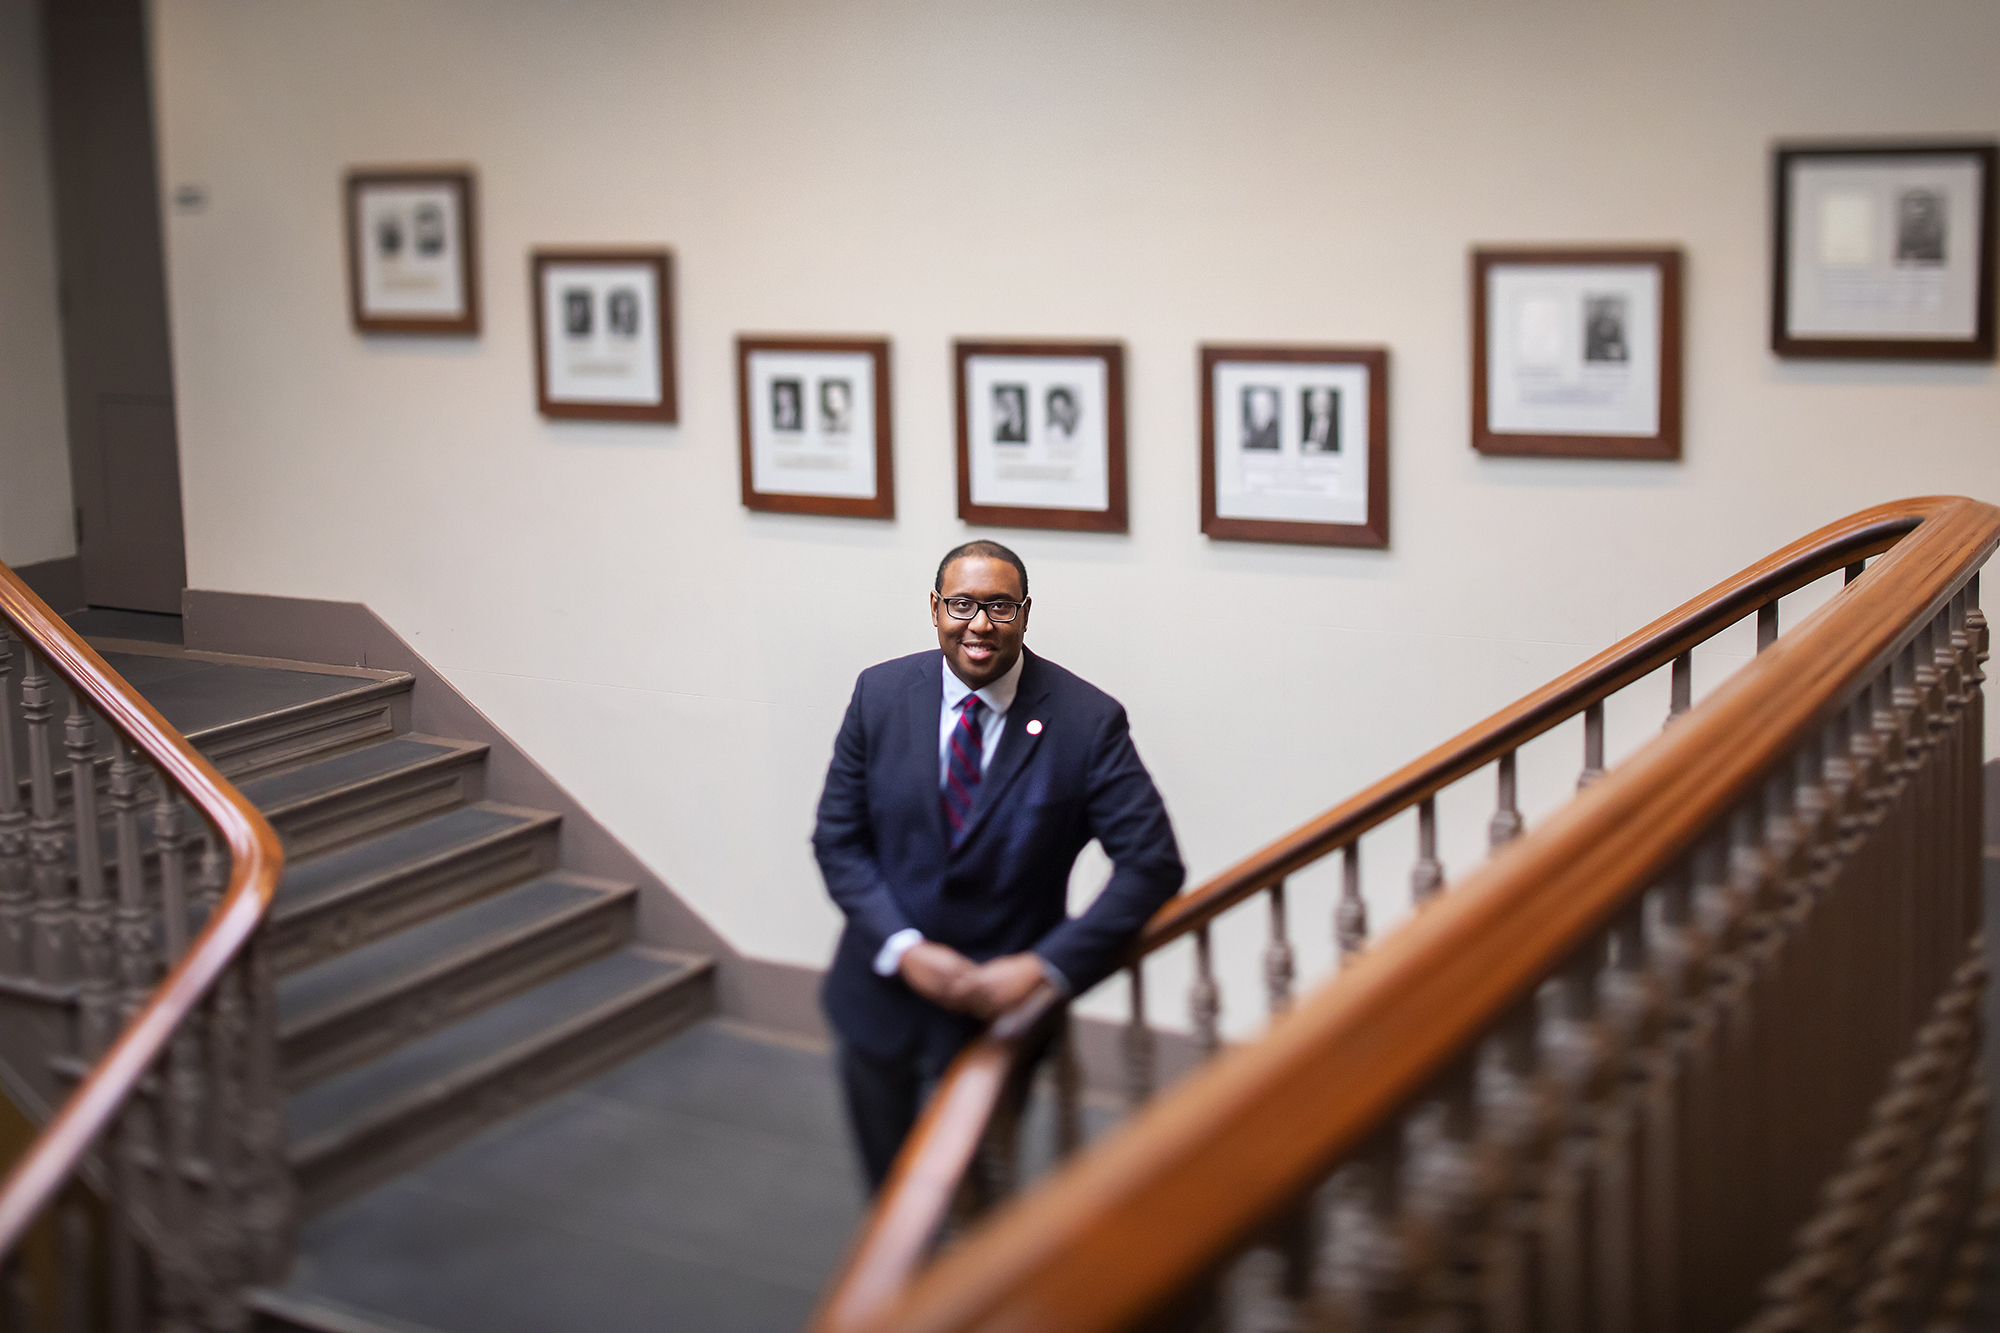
x: 35, y: 522
x: 1163, y: 173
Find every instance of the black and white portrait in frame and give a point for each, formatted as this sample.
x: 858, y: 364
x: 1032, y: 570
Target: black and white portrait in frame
x: 1010, y: 414
x: 1286, y: 441
x: 788, y: 406
x: 409, y: 248
x: 1604, y: 327
x: 1261, y: 406
x: 1036, y: 433
x: 1319, y: 410
x: 836, y: 406
x: 601, y: 340
x: 810, y: 431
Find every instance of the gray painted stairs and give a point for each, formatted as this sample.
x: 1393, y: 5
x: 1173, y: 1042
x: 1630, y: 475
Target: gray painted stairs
x: 445, y: 987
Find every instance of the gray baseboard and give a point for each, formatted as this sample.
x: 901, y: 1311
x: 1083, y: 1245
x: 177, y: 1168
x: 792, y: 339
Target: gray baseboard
x: 57, y: 582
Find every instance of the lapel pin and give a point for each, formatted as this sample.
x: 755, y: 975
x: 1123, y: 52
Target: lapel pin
x: 1035, y: 726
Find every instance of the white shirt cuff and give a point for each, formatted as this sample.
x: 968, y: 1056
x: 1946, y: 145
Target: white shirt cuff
x: 890, y: 957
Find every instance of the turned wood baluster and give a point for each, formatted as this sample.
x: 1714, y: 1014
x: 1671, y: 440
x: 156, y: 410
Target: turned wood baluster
x: 1682, y: 689
x: 17, y: 896
x: 167, y: 845
x: 1205, y: 997
x: 1138, y: 1042
x: 225, y: 1238
x: 1069, y: 1091
x: 98, y: 995
x: 1506, y: 824
x: 1593, y: 745
x: 54, y: 933
x: 1350, y: 915
x: 1767, y: 625
x: 1427, y: 876
x: 1279, y: 965
x: 137, y: 963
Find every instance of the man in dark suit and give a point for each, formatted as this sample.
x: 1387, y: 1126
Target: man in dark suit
x: 964, y: 782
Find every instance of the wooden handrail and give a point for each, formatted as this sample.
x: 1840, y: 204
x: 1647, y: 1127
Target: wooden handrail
x: 256, y: 861
x: 887, y: 1256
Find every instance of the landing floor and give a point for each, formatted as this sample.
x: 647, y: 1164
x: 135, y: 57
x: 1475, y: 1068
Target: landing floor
x: 706, y: 1185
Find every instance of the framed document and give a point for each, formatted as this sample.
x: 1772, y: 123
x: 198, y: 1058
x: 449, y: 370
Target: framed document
x: 604, y: 334
x: 1041, y: 434
x: 412, y: 265
x: 1577, y: 352
x: 1884, y: 252
x: 813, y: 420
x: 1295, y: 444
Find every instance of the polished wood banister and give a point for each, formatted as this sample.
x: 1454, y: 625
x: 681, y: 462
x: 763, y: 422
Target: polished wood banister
x: 892, y: 1246
x: 1128, y: 1225
x: 256, y: 861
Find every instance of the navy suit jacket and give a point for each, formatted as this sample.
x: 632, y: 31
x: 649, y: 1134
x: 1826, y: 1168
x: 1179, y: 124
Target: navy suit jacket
x: 888, y: 864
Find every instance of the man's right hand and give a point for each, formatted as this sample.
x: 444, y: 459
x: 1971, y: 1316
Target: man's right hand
x: 934, y: 971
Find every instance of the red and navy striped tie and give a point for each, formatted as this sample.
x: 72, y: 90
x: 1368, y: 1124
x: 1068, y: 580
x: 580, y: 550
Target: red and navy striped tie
x: 961, y: 774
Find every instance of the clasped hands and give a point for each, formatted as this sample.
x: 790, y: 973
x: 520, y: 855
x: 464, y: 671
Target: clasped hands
x: 944, y: 976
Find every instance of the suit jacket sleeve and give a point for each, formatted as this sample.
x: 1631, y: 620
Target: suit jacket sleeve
x: 1125, y: 814
x: 844, y: 838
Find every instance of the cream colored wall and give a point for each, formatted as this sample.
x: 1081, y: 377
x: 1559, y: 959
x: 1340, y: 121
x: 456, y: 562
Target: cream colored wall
x: 35, y: 520
x: 1162, y: 173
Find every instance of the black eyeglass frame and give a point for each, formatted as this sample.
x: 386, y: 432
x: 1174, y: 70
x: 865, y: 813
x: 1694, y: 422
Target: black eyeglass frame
x: 978, y: 606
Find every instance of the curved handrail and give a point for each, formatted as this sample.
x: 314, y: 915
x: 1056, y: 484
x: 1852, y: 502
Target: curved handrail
x: 890, y: 1249
x: 256, y: 860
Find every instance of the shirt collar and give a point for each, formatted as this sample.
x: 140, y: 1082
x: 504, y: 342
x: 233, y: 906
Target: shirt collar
x: 999, y: 696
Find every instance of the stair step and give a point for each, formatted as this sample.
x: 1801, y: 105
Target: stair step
x: 386, y: 884
x: 256, y: 719
x: 362, y: 1126
x: 363, y: 1003
x: 358, y: 793
x: 277, y: 1311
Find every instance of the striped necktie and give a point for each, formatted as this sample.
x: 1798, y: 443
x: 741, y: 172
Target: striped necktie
x: 961, y: 774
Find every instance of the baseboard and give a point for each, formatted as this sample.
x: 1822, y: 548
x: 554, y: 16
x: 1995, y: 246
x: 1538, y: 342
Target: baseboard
x: 57, y: 582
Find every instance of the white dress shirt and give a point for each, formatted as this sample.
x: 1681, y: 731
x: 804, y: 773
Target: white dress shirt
x: 998, y: 698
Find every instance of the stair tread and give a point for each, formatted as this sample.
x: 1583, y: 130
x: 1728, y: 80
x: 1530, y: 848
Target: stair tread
x: 351, y: 768
x: 197, y: 696
x: 306, y: 995
x: 367, y: 1090
x: 428, y: 839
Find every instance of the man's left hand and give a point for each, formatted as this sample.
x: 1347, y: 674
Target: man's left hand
x: 991, y: 989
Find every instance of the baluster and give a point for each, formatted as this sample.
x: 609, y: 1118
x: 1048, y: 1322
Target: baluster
x: 124, y: 1263
x: 1204, y: 997
x: 1767, y: 624
x: 1428, y: 875
x: 213, y: 875
x: 1279, y: 965
x: 54, y: 941
x: 225, y: 1240
x: 1506, y: 824
x: 1593, y: 745
x: 1139, y: 1052
x: 1682, y: 689
x: 134, y: 929
x: 167, y: 845
x: 98, y: 996
x: 17, y: 897
x: 1069, y: 1091
x: 1350, y: 916
x: 270, y: 1212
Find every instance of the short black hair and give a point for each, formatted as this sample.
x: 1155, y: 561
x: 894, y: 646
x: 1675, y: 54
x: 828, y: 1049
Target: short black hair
x: 991, y: 550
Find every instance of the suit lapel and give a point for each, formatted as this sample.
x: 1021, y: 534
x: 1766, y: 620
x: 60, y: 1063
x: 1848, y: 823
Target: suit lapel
x: 926, y: 699
x: 1015, y: 742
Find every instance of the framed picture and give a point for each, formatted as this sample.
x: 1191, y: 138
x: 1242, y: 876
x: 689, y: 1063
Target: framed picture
x: 604, y: 334
x: 1577, y: 352
x: 1884, y: 252
x: 1041, y: 434
x: 412, y: 260
x: 813, y: 420
x: 1295, y: 444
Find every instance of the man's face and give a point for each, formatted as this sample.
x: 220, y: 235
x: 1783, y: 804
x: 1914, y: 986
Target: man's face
x: 980, y: 651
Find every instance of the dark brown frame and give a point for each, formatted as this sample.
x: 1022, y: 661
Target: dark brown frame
x: 842, y: 506
x: 667, y: 410
x: 1663, y: 444
x: 457, y: 178
x: 1372, y: 533
x: 1979, y: 347
x: 1111, y: 519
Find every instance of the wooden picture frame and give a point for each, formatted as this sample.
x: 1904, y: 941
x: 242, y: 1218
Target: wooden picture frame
x: 412, y: 237
x: 614, y: 358
x: 1870, y: 257
x: 1581, y: 366
x: 1088, y: 376
x: 1317, y: 411
x: 812, y: 367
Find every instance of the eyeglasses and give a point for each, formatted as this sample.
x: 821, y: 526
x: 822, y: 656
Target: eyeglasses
x: 999, y: 611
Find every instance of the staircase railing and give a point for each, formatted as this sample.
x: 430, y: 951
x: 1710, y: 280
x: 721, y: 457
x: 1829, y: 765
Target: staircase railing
x: 129, y: 953
x: 1604, y: 1081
